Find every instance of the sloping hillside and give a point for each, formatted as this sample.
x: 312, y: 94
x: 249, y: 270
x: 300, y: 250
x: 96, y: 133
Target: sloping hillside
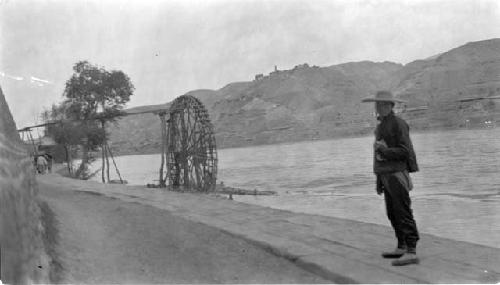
x: 299, y: 104
x: 291, y: 105
x: 469, y: 71
x: 322, y: 102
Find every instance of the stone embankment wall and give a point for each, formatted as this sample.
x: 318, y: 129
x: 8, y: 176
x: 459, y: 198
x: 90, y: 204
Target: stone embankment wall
x: 23, y: 258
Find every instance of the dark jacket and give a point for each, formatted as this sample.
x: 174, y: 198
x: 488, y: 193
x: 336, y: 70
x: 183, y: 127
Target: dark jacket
x: 399, y: 154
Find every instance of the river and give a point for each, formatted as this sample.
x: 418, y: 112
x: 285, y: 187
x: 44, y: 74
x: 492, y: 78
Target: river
x: 456, y: 192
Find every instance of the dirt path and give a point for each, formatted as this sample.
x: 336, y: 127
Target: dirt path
x: 105, y: 240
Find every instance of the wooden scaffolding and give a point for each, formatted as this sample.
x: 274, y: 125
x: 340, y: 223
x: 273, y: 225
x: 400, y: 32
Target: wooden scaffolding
x: 188, y: 147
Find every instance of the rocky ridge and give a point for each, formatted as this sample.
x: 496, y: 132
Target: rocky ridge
x: 311, y: 102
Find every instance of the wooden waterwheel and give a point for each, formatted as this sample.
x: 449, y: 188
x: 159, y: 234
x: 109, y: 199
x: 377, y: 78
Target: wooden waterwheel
x: 191, y: 153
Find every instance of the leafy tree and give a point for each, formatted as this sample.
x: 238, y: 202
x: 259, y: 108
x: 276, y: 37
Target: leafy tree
x: 91, y: 89
x: 93, y: 97
x: 63, y: 132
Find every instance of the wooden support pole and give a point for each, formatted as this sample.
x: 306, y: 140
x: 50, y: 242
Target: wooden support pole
x: 168, y: 151
x: 184, y: 152
x: 107, y: 160
x: 104, y: 154
x: 163, y: 144
x: 114, y: 163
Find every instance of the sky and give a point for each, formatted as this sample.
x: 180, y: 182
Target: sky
x: 168, y: 48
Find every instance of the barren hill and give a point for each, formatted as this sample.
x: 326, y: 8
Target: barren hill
x: 322, y: 102
x: 469, y: 71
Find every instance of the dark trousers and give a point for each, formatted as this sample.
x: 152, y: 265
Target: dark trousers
x: 396, y: 188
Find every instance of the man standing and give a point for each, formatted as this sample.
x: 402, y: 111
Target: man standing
x: 50, y: 160
x: 394, y: 158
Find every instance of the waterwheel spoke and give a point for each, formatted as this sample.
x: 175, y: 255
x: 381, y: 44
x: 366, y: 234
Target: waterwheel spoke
x: 191, y: 157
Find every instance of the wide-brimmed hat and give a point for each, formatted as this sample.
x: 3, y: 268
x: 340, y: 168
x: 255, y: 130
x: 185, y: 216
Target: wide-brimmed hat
x: 383, y: 96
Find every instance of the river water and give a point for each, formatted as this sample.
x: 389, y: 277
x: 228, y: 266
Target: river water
x: 456, y: 193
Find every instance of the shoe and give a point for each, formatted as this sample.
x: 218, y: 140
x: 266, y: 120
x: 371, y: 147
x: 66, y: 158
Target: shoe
x: 406, y: 259
x: 397, y: 253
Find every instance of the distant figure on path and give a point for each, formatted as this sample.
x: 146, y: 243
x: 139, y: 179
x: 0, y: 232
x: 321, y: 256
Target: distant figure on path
x: 50, y: 159
x: 41, y: 164
x: 394, y: 158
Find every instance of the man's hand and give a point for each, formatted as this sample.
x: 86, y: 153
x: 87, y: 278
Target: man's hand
x: 380, y: 191
x: 379, y: 145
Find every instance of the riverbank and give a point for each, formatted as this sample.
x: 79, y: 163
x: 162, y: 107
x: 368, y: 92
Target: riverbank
x: 338, y: 250
x: 103, y: 240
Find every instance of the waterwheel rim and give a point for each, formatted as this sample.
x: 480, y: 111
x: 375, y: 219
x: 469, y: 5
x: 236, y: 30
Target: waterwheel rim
x: 191, y: 146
